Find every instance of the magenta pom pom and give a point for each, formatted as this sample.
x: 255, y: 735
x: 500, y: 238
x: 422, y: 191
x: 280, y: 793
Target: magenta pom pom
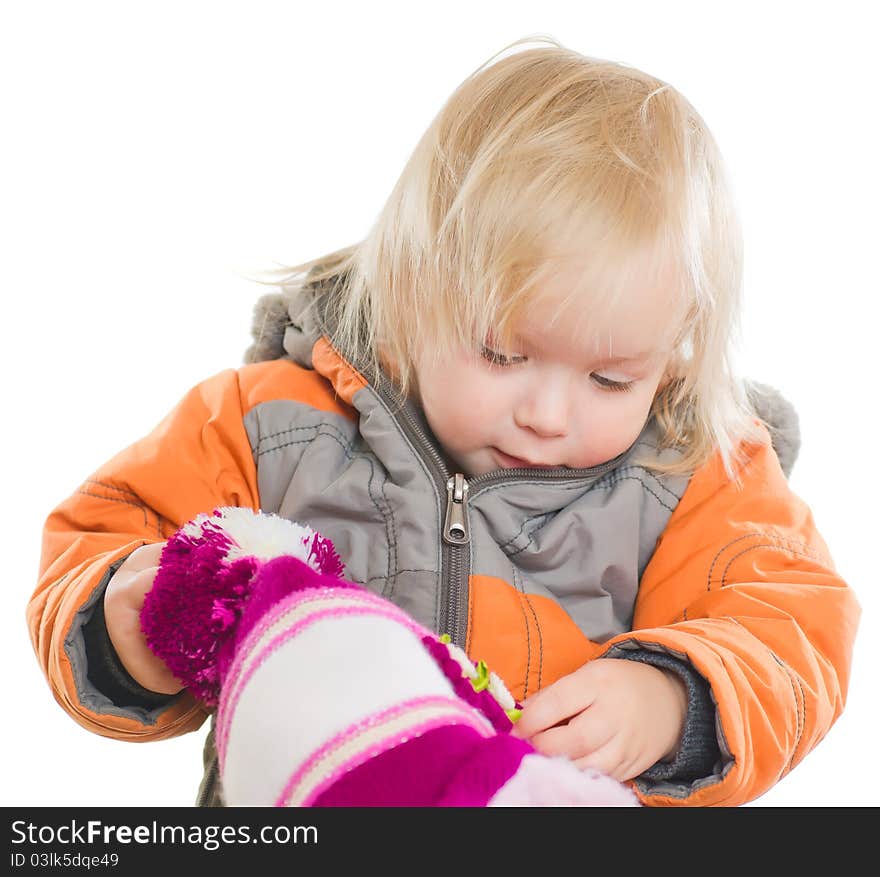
x: 208, y: 573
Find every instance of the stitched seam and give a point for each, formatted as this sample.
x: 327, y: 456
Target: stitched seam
x: 645, y: 486
x: 141, y: 508
x: 550, y: 514
x: 763, y: 545
x: 265, y: 438
x: 145, y: 509
x: 801, y: 710
x: 392, y: 554
x: 755, y: 535
x: 331, y: 432
x: 325, y: 429
x: 800, y: 702
x: 112, y: 487
x: 721, y: 551
x: 563, y: 485
x: 540, y: 636
x: 579, y: 483
x: 617, y: 475
x: 518, y: 586
x: 470, y: 625
x: 525, y: 523
x: 803, y: 721
x: 290, y: 429
x: 390, y: 533
x: 396, y: 575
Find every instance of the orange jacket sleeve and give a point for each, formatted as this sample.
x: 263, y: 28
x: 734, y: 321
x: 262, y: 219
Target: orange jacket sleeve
x: 742, y: 585
x: 198, y: 457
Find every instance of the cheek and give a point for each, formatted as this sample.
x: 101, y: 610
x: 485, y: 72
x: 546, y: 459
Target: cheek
x: 475, y: 404
x: 610, y: 425
x: 460, y: 404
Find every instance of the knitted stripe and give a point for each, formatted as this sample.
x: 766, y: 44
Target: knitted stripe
x: 414, y: 774
x: 275, y: 616
x: 282, y: 623
x: 372, y: 736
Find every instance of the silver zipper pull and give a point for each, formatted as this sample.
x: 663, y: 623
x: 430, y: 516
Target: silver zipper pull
x: 455, y: 528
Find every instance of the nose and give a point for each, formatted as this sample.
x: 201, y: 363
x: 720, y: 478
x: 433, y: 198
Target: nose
x: 543, y: 407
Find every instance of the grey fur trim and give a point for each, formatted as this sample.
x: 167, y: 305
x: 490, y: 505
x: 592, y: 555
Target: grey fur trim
x: 284, y: 325
x: 781, y: 419
x: 268, y: 325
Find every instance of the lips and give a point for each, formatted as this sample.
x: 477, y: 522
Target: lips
x: 509, y: 462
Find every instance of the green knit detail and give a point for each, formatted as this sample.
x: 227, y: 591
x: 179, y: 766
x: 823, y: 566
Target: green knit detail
x: 481, y: 683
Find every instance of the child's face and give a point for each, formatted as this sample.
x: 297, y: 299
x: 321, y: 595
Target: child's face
x: 555, y: 400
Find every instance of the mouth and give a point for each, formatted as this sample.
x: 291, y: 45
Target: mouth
x: 509, y: 462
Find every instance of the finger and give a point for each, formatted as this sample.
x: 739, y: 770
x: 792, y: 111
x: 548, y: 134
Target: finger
x: 615, y: 759
x: 144, y: 557
x: 574, y: 739
x: 560, y: 740
x: 558, y: 702
x: 606, y: 759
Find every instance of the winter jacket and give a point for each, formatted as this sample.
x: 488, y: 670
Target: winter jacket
x: 534, y: 571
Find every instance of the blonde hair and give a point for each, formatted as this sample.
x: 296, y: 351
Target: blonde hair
x: 542, y: 157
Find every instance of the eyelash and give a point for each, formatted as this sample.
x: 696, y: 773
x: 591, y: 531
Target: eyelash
x: 493, y: 357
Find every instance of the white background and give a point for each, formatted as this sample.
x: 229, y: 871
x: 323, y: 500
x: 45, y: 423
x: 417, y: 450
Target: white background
x: 155, y: 154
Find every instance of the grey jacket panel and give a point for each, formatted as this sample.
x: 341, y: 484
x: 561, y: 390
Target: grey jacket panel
x: 317, y: 468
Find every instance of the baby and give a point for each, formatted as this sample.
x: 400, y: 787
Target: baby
x: 512, y: 408
x: 328, y: 695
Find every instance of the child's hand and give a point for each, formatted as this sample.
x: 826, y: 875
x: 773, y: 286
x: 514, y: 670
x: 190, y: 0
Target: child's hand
x: 614, y: 715
x: 123, y: 600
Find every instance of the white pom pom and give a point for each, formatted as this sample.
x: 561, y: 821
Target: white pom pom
x: 257, y: 534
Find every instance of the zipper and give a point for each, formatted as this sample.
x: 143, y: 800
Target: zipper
x: 456, y: 559
x: 455, y: 526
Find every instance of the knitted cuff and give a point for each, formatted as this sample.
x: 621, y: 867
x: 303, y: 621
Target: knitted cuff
x: 105, y: 670
x: 698, y: 751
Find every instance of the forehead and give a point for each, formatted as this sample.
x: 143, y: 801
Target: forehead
x: 641, y: 314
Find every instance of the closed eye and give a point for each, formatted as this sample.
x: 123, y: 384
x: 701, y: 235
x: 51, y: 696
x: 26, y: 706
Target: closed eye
x: 612, y: 386
x: 501, y: 359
